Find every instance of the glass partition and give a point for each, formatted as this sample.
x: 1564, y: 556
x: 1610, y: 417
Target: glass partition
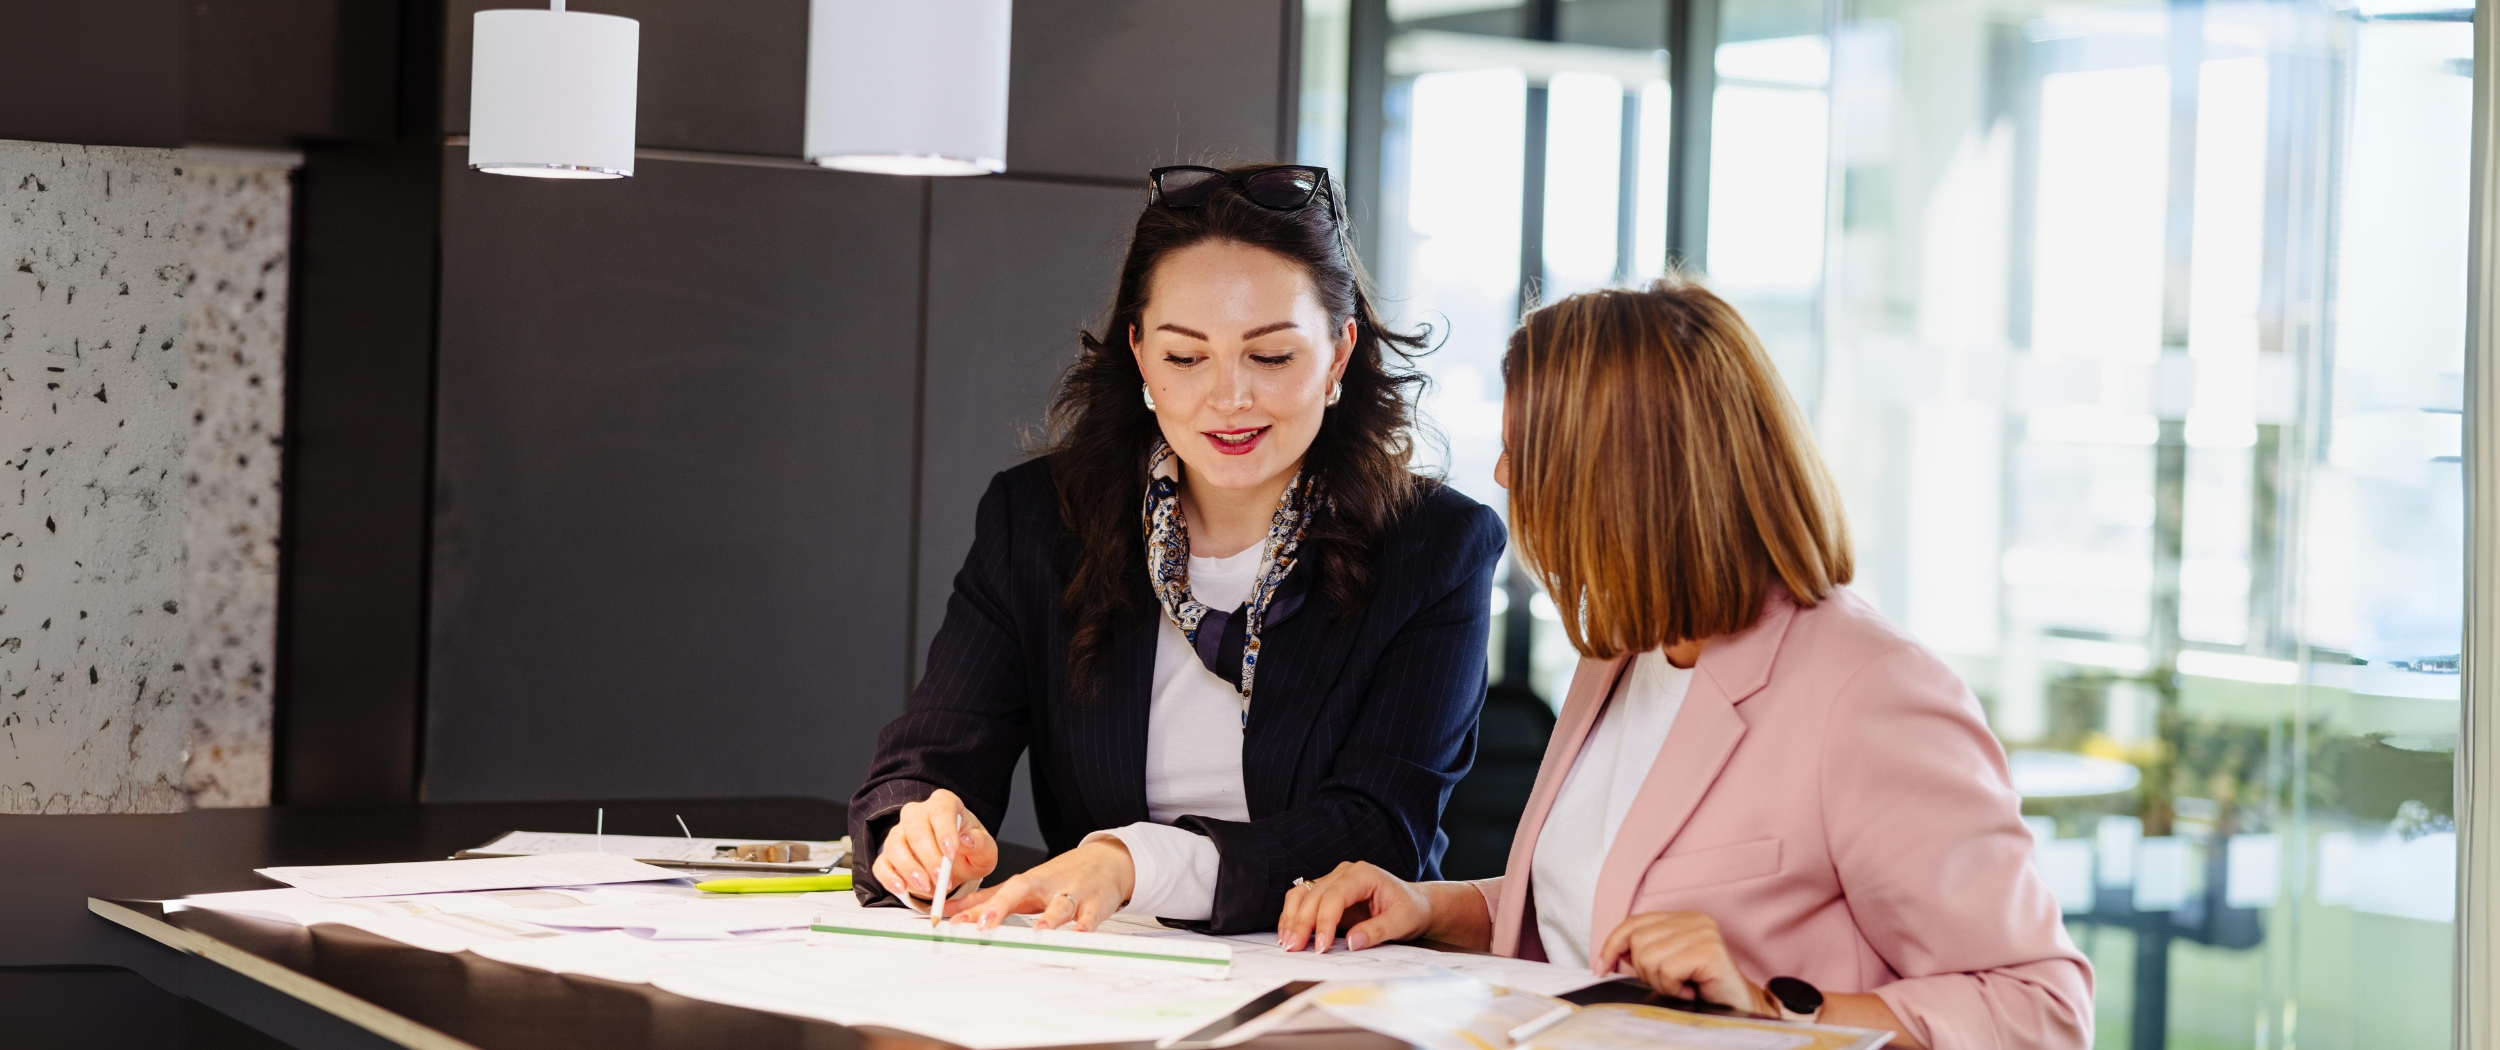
x: 1523, y: 157
x: 2142, y: 369
x: 2134, y: 332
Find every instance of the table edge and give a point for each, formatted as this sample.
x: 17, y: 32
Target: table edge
x: 133, y: 915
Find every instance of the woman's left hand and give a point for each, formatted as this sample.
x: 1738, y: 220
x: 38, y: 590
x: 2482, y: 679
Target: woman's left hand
x: 1077, y: 889
x: 1676, y: 950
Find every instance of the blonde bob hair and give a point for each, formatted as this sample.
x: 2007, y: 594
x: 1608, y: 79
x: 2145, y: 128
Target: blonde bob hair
x: 1660, y: 477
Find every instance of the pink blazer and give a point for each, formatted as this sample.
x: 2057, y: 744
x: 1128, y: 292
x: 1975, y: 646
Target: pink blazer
x: 1830, y: 795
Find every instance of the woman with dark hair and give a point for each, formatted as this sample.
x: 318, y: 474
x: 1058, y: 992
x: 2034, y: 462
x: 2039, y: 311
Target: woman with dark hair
x: 1242, y: 641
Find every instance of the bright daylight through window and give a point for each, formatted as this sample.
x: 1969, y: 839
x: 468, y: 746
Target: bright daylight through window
x: 2135, y: 334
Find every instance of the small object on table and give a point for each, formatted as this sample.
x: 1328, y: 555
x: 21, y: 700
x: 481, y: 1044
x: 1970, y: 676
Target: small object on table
x: 817, y: 857
x: 764, y: 852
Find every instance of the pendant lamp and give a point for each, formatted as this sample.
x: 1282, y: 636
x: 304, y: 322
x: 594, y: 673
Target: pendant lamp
x: 551, y: 94
x: 908, y: 87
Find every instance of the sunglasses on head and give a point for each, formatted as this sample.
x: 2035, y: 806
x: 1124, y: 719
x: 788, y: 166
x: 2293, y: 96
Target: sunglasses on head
x: 1284, y: 187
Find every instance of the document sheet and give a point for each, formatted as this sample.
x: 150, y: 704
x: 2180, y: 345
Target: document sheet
x: 450, y: 876
x: 1622, y: 1026
x: 757, y: 952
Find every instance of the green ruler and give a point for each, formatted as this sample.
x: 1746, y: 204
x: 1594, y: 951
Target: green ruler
x: 1180, y: 954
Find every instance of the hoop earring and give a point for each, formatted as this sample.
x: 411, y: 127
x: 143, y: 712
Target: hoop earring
x: 1336, y: 393
x: 1150, y: 396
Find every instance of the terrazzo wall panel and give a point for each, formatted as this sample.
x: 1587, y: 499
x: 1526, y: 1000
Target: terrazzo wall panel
x: 94, y: 422
x: 115, y: 320
x: 234, y: 324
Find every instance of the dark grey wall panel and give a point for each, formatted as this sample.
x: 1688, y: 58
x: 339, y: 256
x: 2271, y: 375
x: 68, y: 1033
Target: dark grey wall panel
x: 100, y: 72
x: 1016, y: 269
x: 175, y: 72
x: 281, y: 71
x: 359, y: 446
x: 673, y: 482
x: 1097, y: 88
x: 727, y: 76
x: 1109, y: 88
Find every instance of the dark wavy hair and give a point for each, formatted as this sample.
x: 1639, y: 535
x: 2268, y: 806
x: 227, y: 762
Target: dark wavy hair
x: 1101, y: 431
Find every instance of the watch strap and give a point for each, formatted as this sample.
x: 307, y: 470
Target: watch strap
x: 1798, y: 1001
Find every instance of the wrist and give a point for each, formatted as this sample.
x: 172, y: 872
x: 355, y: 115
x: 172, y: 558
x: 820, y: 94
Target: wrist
x: 1115, y: 856
x: 1446, y: 918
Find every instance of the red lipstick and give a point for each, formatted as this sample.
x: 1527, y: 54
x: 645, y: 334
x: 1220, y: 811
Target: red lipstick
x: 1237, y: 442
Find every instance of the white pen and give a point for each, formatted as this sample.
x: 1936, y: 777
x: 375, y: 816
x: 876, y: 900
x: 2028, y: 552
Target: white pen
x: 946, y: 874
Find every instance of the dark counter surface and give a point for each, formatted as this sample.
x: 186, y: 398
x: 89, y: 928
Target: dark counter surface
x: 79, y: 893
x: 56, y: 864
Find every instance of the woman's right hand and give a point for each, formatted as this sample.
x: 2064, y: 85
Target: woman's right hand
x: 924, y: 834
x: 1387, y: 908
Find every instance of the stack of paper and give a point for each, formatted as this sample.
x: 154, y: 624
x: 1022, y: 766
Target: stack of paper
x: 453, y: 876
x: 1450, y: 1012
x: 756, y: 952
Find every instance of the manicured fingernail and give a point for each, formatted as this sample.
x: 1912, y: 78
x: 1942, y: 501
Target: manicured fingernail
x: 967, y: 837
x: 1356, y: 943
x: 917, y: 882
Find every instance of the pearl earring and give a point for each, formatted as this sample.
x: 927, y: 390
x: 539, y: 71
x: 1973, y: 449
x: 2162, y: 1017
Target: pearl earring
x: 1150, y: 395
x: 1336, y: 393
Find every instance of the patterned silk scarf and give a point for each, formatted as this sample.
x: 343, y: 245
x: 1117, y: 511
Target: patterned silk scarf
x: 1167, y: 564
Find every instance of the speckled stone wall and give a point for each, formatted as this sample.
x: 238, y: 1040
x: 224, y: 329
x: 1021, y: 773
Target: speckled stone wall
x: 122, y: 336
x: 234, y: 324
x: 94, y: 422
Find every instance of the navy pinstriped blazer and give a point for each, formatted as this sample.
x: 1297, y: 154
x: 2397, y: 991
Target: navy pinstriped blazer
x: 1360, y: 727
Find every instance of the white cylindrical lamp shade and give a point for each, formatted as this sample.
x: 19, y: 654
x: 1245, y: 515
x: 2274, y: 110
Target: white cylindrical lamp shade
x: 551, y: 94
x: 908, y: 87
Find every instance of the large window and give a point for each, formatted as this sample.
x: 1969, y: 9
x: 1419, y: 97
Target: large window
x: 2135, y: 334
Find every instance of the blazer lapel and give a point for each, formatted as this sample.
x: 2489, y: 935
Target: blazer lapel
x: 1706, y: 731
x: 1591, y: 684
x: 1299, y: 658
x: 1705, y: 734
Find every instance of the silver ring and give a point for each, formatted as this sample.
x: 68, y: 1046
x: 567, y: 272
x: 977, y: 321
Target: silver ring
x: 1299, y: 883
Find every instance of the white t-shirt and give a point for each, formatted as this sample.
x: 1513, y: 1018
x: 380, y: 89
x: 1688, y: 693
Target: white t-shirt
x: 1193, y: 756
x: 1604, y: 779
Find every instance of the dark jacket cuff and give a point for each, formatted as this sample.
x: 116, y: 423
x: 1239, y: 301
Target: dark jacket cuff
x: 872, y: 815
x: 1249, y: 891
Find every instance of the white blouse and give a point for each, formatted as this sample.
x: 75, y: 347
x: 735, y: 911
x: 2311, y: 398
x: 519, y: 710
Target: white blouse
x: 1604, y: 779
x: 1193, y: 756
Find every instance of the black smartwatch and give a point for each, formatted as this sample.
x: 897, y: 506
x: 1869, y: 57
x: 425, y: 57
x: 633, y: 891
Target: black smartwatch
x: 1799, y: 1001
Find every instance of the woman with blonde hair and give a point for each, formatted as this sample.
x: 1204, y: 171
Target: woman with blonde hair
x: 1759, y: 792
